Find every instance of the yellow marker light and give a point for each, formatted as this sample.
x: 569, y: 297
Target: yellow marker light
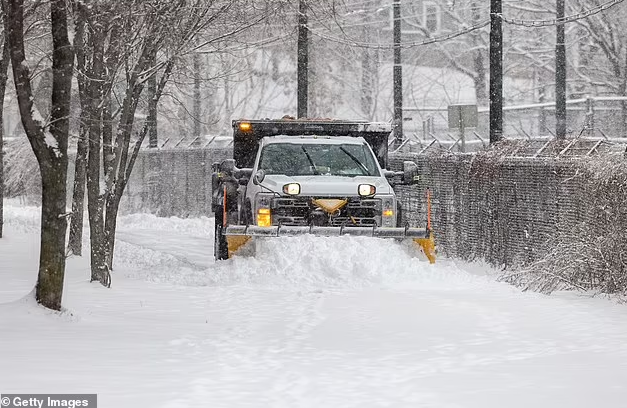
x: 263, y: 218
x: 291, y: 189
x: 388, y: 213
x: 366, y: 190
x: 245, y: 127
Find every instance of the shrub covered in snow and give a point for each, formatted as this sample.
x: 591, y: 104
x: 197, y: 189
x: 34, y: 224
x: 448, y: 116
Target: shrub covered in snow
x: 590, y: 255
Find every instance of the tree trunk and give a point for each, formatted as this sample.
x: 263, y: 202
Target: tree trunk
x: 367, y: 74
x: 95, y: 198
x: 75, y: 240
x: 481, y: 82
x: 623, y: 92
x: 480, y: 78
x: 107, y: 135
x: 111, y: 210
x: 53, y: 226
x: 94, y: 209
x: 197, y: 97
x: 4, y: 66
x: 48, y: 140
x: 153, y: 138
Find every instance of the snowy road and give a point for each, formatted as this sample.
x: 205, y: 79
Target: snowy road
x: 308, y: 322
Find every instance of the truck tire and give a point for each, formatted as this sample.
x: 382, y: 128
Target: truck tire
x: 220, y: 248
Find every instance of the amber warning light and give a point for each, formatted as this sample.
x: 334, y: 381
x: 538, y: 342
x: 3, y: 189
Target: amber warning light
x: 245, y: 127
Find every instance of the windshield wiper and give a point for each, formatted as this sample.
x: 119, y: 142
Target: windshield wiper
x: 356, y: 160
x: 313, y: 166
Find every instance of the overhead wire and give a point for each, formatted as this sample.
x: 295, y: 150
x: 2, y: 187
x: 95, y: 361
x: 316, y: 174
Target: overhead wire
x: 413, y: 44
x: 567, y: 19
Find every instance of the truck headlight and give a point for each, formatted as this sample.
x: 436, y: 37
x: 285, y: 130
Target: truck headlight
x: 366, y: 190
x: 291, y: 189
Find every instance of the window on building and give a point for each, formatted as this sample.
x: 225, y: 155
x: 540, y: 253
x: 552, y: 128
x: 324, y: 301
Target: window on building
x: 431, y: 16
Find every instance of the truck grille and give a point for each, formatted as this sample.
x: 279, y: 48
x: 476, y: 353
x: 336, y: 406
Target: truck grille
x: 300, y: 211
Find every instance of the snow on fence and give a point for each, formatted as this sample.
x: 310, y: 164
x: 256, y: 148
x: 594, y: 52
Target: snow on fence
x: 554, y: 217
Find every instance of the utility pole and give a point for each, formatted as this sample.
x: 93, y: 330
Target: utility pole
x: 302, y: 60
x: 560, y: 73
x: 152, y: 103
x: 496, y: 71
x: 398, y: 76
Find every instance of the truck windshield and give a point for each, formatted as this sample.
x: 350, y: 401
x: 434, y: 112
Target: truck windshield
x: 293, y: 159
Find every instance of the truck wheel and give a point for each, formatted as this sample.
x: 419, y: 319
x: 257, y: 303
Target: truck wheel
x: 220, y: 248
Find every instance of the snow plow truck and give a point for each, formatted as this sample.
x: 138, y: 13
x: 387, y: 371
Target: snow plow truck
x: 323, y: 177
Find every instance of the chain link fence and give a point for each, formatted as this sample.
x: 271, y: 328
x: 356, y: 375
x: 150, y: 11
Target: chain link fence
x: 489, y: 206
x: 551, y: 214
x: 174, y: 182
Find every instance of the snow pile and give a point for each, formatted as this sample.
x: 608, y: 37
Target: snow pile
x: 328, y: 262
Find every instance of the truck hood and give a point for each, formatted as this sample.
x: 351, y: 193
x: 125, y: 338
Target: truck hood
x: 327, y: 185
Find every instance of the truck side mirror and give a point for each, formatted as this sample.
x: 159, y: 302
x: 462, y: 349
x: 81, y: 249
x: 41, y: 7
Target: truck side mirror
x: 259, y: 176
x: 410, y: 173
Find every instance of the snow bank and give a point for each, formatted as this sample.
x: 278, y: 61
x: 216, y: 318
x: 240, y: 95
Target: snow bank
x: 317, y: 262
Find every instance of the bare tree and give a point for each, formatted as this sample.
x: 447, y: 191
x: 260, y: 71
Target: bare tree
x: 126, y: 44
x: 48, y: 139
x: 75, y: 239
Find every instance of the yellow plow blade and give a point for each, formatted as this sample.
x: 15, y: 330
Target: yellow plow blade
x: 235, y: 242
x: 238, y: 236
x: 428, y: 246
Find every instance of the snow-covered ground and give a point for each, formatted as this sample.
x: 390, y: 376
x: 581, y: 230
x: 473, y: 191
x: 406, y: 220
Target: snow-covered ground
x: 307, y: 322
